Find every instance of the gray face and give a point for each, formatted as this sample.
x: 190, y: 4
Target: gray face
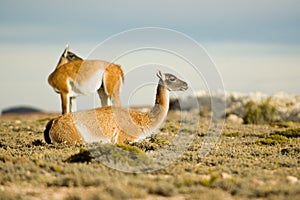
x: 71, y: 56
x: 67, y: 57
x: 173, y: 83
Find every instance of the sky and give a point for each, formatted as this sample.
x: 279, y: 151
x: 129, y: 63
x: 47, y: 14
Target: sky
x: 254, y: 45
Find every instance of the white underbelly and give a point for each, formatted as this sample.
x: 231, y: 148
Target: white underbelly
x: 85, y: 86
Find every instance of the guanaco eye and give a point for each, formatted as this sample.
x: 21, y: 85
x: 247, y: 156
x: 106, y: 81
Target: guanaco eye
x: 71, y: 57
x: 172, y: 78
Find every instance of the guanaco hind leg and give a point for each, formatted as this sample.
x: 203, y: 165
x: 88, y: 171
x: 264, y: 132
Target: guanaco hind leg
x: 112, y: 80
x: 103, y: 96
x: 73, y: 105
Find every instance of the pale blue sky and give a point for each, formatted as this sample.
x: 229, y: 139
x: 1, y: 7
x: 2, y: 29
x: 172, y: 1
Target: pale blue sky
x: 33, y: 21
x: 255, y: 44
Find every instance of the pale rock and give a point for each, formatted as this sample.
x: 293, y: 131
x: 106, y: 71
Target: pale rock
x: 226, y: 176
x: 232, y: 118
x: 292, y: 179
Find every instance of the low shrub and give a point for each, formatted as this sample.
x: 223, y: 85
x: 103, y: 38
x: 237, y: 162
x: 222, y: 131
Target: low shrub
x: 259, y: 113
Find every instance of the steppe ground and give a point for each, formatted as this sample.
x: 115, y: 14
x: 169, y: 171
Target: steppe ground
x: 248, y: 162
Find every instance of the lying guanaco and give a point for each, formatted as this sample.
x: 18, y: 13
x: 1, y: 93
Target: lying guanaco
x: 114, y: 124
x: 74, y: 76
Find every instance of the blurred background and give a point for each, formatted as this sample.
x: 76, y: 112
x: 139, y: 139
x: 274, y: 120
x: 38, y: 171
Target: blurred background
x: 254, y: 44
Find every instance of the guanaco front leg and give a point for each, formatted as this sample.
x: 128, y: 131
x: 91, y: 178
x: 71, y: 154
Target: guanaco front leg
x: 65, y: 103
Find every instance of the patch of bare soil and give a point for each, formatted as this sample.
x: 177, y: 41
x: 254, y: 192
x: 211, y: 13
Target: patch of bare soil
x: 248, y: 162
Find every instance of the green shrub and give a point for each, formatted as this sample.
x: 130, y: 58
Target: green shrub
x: 259, y: 113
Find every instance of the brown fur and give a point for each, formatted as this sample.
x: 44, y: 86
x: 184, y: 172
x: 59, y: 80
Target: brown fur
x: 113, y: 78
x: 100, y: 122
x: 79, y: 71
x: 114, y: 124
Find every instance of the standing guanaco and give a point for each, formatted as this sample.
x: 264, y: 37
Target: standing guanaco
x: 74, y: 76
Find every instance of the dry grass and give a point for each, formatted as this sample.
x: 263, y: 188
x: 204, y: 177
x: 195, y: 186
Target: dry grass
x: 242, y: 166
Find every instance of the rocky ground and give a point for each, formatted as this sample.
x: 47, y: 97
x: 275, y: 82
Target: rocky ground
x: 248, y: 162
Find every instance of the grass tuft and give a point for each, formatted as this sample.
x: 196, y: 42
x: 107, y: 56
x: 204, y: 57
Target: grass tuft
x: 124, y: 154
x: 153, y: 143
x: 38, y: 142
x: 273, y: 140
x: 84, y: 156
x: 231, y: 134
x: 289, y: 133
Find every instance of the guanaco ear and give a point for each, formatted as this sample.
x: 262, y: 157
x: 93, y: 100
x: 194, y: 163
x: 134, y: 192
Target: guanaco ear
x: 66, y: 50
x: 160, y: 75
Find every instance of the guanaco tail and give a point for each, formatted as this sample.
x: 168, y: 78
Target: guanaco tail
x: 74, y: 76
x: 114, y: 124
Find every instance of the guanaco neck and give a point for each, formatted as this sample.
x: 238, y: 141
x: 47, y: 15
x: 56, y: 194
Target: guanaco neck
x: 161, y: 107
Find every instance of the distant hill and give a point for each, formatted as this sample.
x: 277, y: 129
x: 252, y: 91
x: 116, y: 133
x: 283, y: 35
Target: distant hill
x: 20, y: 110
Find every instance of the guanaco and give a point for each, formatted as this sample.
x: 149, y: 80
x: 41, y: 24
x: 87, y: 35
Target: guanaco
x: 114, y: 124
x: 74, y: 76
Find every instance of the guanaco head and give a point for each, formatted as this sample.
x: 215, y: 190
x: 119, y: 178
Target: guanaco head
x: 171, y: 82
x: 67, y: 56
